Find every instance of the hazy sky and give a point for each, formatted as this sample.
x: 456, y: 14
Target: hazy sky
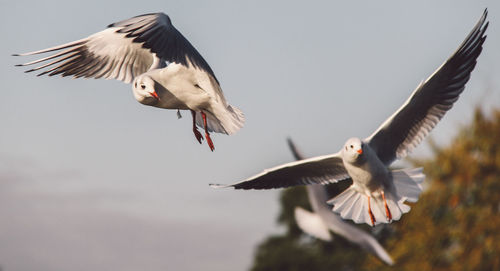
x: 92, y: 180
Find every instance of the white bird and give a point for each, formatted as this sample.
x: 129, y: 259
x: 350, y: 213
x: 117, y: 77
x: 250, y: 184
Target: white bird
x: 321, y: 220
x: 366, y: 161
x: 165, y: 70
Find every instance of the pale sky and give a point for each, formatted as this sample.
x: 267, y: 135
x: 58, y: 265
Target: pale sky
x: 92, y: 180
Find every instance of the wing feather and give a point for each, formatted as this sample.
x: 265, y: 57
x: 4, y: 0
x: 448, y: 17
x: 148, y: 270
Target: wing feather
x: 123, y: 51
x: 408, y: 126
x: 156, y: 32
x: 317, y: 170
x: 106, y: 54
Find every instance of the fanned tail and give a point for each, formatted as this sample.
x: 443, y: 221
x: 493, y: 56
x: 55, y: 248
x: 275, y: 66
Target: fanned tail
x: 353, y: 205
x: 227, y: 122
x: 408, y: 183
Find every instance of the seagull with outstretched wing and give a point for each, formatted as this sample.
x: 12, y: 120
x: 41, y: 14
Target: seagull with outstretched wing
x: 319, y: 222
x: 367, y: 161
x: 165, y: 70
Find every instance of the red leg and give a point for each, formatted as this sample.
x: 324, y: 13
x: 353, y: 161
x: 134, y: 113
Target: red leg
x: 387, y: 211
x: 372, y: 217
x: 197, y: 133
x: 207, y: 135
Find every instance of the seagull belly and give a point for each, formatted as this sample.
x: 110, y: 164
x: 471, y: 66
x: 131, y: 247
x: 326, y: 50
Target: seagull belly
x: 180, y: 90
x: 370, y: 177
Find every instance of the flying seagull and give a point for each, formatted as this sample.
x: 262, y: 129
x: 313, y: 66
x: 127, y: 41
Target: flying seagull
x: 165, y: 70
x: 367, y: 161
x: 321, y: 220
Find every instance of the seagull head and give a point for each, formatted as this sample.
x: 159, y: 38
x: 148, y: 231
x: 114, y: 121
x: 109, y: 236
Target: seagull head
x: 144, y: 90
x: 353, y: 149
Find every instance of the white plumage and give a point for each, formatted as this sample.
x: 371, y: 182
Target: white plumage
x: 165, y: 70
x: 321, y: 220
x: 377, y: 194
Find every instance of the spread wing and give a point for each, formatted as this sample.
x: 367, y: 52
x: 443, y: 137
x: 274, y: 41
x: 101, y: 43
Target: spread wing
x: 317, y: 170
x: 123, y: 51
x: 408, y: 126
x: 308, y: 222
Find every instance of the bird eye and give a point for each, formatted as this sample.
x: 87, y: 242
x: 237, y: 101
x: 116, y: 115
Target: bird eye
x: 351, y: 147
x: 143, y: 86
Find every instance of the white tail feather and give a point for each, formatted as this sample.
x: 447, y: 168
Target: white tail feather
x: 227, y: 122
x: 341, y: 199
x: 353, y: 205
x: 408, y: 183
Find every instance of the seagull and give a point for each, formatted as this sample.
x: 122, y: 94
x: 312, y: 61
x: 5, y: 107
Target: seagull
x: 165, y: 70
x: 366, y: 161
x: 321, y: 220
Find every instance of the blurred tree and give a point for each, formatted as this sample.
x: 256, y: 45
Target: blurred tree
x: 455, y: 225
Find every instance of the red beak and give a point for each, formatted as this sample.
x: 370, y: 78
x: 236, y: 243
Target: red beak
x: 360, y: 151
x: 154, y: 94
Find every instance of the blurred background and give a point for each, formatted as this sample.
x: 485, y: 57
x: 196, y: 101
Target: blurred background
x: 92, y: 180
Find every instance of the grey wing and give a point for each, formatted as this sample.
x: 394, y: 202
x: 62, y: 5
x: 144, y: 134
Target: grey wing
x: 105, y: 54
x: 317, y: 170
x: 156, y: 32
x: 317, y: 198
x: 408, y: 126
x: 123, y: 51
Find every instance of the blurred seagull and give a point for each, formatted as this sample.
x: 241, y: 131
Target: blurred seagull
x: 322, y: 219
x: 366, y: 161
x: 165, y: 70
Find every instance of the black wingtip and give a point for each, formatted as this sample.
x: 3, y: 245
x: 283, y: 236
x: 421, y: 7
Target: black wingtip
x: 293, y: 148
x: 486, y: 27
x: 291, y: 144
x: 15, y: 55
x: 485, y: 14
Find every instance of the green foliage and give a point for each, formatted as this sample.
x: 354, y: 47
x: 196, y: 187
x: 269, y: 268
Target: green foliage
x: 454, y: 226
